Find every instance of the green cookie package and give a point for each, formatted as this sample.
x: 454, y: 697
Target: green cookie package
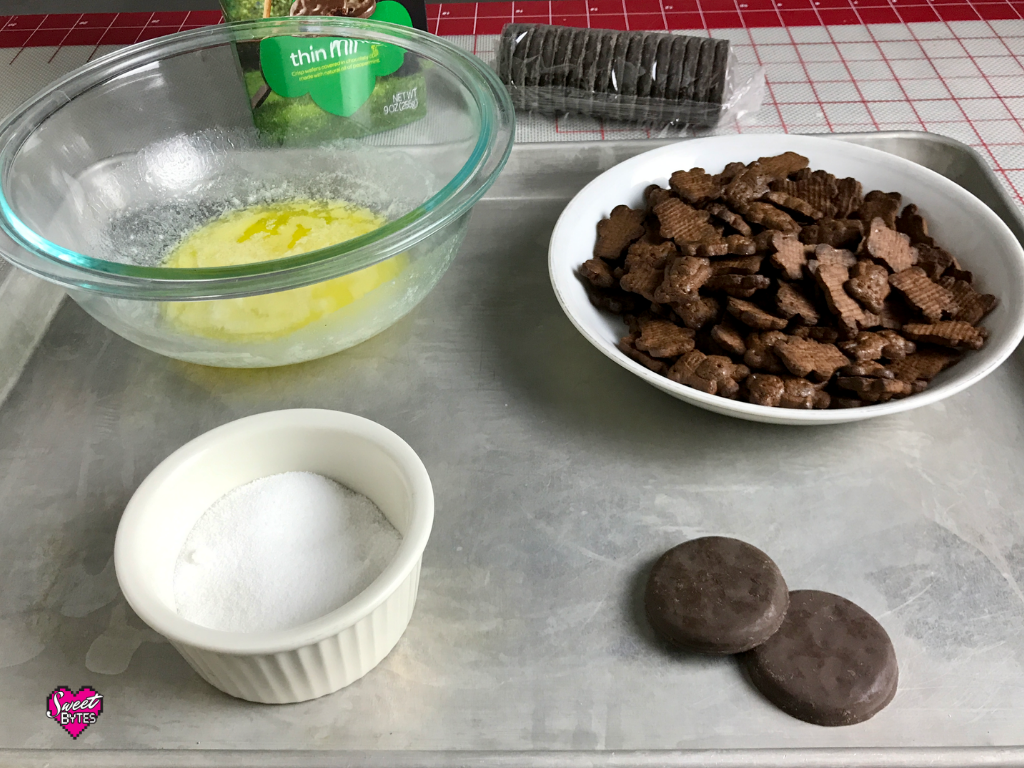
x: 308, y: 90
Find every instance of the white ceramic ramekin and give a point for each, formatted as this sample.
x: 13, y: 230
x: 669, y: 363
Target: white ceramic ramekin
x: 318, y: 657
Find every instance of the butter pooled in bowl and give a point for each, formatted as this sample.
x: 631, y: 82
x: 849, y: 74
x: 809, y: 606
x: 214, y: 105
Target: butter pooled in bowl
x: 265, y: 233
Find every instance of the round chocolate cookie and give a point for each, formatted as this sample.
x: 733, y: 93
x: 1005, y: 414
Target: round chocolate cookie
x: 830, y: 663
x: 715, y: 595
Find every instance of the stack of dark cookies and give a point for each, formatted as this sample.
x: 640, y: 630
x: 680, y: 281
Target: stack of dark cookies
x: 643, y: 77
x: 815, y: 655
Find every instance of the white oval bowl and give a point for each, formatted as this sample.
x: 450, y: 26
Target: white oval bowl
x: 957, y: 219
x: 323, y: 655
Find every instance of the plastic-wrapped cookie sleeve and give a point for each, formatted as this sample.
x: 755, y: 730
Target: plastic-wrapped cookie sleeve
x: 657, y: 79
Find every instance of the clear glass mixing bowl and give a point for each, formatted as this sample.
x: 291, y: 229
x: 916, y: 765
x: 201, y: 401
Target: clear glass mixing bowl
x: 105, y: 172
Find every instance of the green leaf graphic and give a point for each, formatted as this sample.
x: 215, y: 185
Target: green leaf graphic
x: 338, y: 73
x: 394, y: 13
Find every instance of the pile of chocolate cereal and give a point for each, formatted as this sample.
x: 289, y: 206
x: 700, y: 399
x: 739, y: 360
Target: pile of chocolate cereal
x: 783, y: 286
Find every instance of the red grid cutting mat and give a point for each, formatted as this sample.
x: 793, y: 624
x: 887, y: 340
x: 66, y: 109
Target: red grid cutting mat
x: 963, y: 79
x: 954, y: 68
x: 97, y: 28
x: 489, y: 18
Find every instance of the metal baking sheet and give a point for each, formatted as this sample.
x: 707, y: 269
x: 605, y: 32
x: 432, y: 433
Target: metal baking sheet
x: 559, y: 478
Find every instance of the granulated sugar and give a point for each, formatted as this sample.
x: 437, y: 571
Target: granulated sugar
x: 280, y: 551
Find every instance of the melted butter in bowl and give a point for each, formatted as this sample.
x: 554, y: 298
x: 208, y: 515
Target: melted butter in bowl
x: 268, y: 232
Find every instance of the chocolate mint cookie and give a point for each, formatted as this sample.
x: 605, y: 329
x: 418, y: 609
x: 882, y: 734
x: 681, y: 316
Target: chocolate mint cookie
x: 705, y: 63
x: 718, y: 72
x: 631, y: 72
x: 830, y: 663
x: 677, y: 57
x: 662, y: 61
x: 574, y: 59
x: 605, y: 58
x: 648, y: 63
x: 517, y: 39
x: 715, y: 595
x: 691, y: 58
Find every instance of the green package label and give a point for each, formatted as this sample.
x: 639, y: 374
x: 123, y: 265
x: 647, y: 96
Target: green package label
x: 338, y: 73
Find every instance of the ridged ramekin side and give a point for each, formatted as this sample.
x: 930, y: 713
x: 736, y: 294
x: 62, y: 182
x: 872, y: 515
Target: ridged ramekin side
x: 316, y: 669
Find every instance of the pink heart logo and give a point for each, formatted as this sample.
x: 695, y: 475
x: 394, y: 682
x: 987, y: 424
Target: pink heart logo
x: 74, y: 712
